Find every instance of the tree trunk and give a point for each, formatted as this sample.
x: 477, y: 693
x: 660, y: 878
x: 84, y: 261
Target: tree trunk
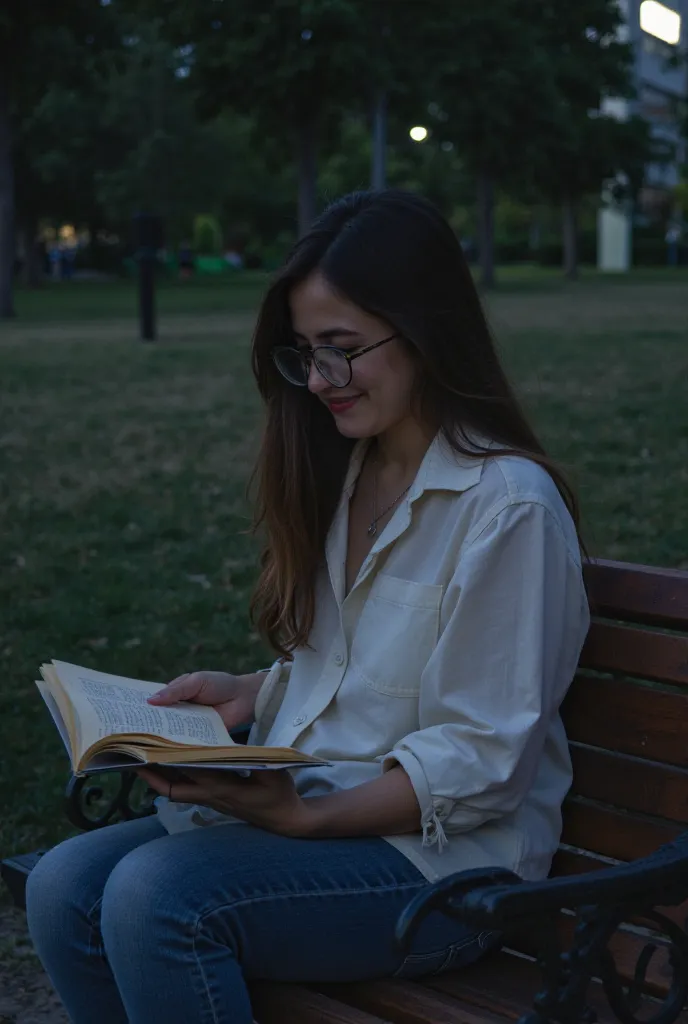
x: 486, y: 229
x: 33, y: 263
x: 93, y: 244
x: 7, y: 241
x: 534, y: 234
x: 378, y: 176
x: 306, y: 163
x: 569, y: 226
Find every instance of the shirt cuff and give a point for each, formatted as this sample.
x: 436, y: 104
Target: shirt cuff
x: 433, y: 833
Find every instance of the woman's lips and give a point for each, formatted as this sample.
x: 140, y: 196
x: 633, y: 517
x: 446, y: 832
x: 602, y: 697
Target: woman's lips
x: 339, y: 405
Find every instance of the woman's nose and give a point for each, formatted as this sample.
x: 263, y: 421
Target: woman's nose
x: 316, y: 381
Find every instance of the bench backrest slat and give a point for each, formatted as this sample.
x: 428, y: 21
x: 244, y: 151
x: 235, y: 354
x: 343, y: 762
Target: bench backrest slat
x: 640, y: 653
x: 629, y: 718
x: 626, y: 717
x: 638, y: 593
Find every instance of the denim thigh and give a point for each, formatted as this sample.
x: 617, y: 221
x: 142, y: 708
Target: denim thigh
x: 288, y: 909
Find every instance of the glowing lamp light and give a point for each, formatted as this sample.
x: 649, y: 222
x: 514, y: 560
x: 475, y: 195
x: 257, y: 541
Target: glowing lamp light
x: 419, y: 133
x: 660, y: 21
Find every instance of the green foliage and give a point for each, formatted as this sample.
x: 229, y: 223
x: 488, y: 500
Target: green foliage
x: 207, y: 235
x: 493, y: 82
x: 273, y: 57
x: 681, y: 197
x: 591, y: 64
x: 176, y: 106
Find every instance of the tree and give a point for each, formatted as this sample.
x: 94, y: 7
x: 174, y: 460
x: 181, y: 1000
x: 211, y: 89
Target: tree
x: 6, y: 195
x: 495, y: 97
x: 591, y: 63
x: 166, y: 161
x: 291, y: 63
x: 601, y: 149
x: 33, y: 36
x: 299, y: 66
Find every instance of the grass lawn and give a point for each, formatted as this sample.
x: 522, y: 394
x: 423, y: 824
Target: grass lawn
x: 124, y: 468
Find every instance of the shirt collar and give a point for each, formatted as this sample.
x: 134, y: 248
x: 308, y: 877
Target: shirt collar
x: 442, y: 469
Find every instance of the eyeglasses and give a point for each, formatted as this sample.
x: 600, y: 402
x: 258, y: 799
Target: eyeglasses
x: 334, y: 364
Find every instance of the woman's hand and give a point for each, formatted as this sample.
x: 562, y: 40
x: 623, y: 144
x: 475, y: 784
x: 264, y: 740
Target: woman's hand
x: 267, y: 799
x: 233, y: 697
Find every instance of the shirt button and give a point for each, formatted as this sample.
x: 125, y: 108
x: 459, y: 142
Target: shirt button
x: 299, y: 720
x: 339, y: 658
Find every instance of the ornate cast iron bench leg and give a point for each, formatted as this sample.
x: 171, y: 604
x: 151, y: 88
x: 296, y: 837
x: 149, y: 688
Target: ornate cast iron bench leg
x: 497, y: 900
x: 88, y: 805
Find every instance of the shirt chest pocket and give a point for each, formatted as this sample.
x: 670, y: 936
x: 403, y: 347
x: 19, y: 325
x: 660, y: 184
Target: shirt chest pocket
x: 396, y: 634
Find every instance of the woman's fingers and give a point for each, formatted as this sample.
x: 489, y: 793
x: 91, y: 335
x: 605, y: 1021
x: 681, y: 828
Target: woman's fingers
x: 203, y: 687
x: 184, y: 687
x: 182, y: 792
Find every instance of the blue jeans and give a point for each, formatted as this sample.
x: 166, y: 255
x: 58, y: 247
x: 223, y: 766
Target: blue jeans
x: 133, y: 924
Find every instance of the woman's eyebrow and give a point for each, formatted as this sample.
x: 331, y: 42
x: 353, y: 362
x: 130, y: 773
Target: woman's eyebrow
x: 331, y: 332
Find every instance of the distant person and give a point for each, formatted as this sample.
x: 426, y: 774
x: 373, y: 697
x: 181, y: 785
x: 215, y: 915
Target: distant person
x: 673, y: 240
x: 55, y: 257
x: 42, y: 256
x: 67, y: 262
x: 186, y: 261
x: 234, y: 259
x: 421, y: 587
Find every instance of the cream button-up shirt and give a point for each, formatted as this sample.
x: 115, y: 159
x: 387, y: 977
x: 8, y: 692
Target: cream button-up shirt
x: 450, y: 656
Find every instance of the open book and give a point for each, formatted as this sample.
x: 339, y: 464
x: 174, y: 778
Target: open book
x: 106, y: 724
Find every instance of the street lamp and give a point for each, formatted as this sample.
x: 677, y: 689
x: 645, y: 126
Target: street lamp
x: 660, y: 21
x: 419, y: 133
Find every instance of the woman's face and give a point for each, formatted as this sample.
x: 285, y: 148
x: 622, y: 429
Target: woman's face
x: 378, y: 397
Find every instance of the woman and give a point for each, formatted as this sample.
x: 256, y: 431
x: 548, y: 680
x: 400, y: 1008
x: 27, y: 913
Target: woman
x: 422, y: 585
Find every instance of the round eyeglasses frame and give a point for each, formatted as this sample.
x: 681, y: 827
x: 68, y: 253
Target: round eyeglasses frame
x: 310, y: 355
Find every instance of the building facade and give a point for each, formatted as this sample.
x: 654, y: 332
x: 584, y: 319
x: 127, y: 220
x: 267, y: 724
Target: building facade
x: 659, y: 33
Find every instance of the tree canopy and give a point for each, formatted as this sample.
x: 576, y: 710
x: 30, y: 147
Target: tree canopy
x: 229, y: 107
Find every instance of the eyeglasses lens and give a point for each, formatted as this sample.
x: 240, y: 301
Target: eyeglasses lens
x: 294, y: 366
x: 291, y: 365
x: 333, y: 366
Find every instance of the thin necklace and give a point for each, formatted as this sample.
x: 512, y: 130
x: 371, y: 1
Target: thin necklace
x: 372, y: 529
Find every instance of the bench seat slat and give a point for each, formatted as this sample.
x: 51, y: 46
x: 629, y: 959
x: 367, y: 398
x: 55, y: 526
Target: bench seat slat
x: 630, y: 782
x: 274, y: 1003
x: 638, y: 593
x: 629, y: 718
x: 407, y: 1002
x: 660, y: 657
x: 504, y: 983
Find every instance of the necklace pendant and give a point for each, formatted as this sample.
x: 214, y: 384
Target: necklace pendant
x: 372, y: 529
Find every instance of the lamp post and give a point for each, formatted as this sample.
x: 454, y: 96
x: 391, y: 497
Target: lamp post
x: 148, y: 235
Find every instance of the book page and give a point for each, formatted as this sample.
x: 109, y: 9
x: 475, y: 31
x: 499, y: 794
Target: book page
x: 56, y: 715
x: 107, y: 705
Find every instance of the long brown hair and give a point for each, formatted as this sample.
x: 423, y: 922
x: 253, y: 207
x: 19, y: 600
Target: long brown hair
x: 394, y: 256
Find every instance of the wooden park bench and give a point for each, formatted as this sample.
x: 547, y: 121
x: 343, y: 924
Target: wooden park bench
x: 589, y: 942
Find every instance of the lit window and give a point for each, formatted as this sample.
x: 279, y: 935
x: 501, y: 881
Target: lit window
x: 660, y: 21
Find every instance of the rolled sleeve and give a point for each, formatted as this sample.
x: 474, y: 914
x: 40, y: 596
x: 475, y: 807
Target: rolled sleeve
x: 269, y: 700
x: 514, y: 618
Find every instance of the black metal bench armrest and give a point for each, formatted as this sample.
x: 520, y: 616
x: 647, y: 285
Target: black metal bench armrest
x: 497, y: 900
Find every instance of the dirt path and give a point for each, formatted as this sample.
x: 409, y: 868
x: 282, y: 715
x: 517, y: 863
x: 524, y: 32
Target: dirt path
x: 26, y: 995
